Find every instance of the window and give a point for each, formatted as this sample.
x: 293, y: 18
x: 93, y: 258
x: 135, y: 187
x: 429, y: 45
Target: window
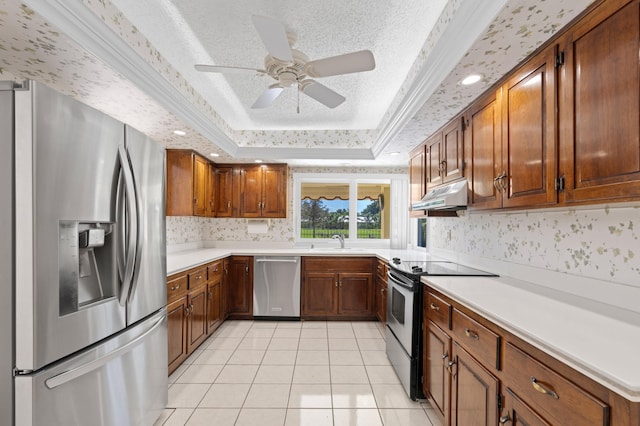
x: 354, y: 208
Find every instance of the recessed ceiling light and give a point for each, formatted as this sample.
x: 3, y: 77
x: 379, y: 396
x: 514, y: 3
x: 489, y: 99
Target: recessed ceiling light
x: 258, y: 161
x: 471, y: 79
x: 179, y: 132
x: 394, y: 153
x: 215, y: 154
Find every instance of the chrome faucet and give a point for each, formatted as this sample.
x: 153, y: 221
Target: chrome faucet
x: 339, y: 237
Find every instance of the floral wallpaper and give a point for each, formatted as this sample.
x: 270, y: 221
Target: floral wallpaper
x: 601, y: 243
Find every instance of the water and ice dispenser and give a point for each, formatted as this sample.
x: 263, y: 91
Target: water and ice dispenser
x: 87, y: 258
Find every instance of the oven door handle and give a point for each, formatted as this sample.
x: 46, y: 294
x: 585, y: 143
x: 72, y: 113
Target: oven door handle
x: 396, y: 281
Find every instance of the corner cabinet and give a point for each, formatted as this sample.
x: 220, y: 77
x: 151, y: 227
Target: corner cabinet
x: 263, y: 191
x: 417, y: 175
x: 337, y: 288
x: 478, y: 373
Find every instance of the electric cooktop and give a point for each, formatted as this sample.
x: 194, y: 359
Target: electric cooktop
x: 436, y: 267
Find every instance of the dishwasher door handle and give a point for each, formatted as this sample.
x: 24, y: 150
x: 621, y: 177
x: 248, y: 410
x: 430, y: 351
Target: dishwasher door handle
x: 277, y: 260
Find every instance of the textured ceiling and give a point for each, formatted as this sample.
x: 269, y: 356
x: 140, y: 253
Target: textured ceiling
x: 134, y: 60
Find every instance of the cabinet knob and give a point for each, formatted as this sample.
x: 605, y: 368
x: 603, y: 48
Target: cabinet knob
x: 175, y: 287
x: 472, y: 334
x: 450, y: 365
x: 434, y: 307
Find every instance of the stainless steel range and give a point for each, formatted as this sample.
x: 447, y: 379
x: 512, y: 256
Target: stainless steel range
x: 404, y: 315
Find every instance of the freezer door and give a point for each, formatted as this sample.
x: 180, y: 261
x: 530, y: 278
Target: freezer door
x: 148, y: 290
x: 120, y: 382
x: 65, y: 184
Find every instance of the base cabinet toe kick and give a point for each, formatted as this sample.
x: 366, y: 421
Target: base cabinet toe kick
x: 478, y: 372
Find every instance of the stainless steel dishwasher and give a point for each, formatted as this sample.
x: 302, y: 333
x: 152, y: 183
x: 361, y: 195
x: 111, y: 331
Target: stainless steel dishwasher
x: 276, y: 287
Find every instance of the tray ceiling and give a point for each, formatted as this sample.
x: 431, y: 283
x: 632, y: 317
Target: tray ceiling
x: 134, y: 60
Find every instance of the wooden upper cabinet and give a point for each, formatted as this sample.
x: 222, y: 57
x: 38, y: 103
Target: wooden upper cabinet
x: 600, y: 105
x: 451, y: 152
x: 200, y: 178
x: 433, y: 161
x: 210, y: 191
x: 263, y: 191
x: 529, y: 134
x: 223, y: 192
x: 187, y: 183
x: 417, y: 177
x: 484, y: 135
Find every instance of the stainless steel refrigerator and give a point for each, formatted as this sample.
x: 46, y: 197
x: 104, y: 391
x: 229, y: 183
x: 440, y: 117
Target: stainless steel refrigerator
x: 82, y: 321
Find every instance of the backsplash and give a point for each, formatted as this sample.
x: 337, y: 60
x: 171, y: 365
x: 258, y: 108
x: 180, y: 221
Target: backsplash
x: 600, y: 243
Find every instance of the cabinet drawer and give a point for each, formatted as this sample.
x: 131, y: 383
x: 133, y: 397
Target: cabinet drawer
x: 438, y: 311
x: 197, y: 277
x: 176, y: 287
x: 214, y: 270
x: 557, y: 399
x: 477, y: 339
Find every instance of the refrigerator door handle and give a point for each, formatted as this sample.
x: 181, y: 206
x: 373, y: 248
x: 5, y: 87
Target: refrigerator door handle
x: 70, y: 375
x: 127, y: 211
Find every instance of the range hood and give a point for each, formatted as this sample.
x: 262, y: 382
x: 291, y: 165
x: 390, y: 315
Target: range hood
x: 450, y: 197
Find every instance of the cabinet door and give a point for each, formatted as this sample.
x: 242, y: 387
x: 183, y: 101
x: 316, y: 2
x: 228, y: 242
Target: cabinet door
x: 214, y: 317
x: 177, y: 332
x: 474, y: 391
x: 417, y: 186
x: 179, y: 182
x: 517, y: 413
x: 211, y: 190
x: 452, y: 159
x: 200, y: 174
x: 319, y: 293
x: 381, y: 300
x: 600, y: 106
x: 241, y: 287
x: 251, y: 192
x: 437, y: 380
x: 197, y: 320
x: 274, y: 198
x: 223, y: 191
x: 224, y: 289
x: 529, y: 133
x: 355, y: 291
x: 433, y: 161
x: 486, y: 152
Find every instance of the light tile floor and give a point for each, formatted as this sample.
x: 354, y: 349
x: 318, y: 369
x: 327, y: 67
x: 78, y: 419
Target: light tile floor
x: 292, y: 373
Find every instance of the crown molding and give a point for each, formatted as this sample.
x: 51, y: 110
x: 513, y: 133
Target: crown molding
x: 81, y: 25
x: 468, y: 23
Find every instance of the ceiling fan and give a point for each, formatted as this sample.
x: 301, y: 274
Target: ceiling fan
x: 290, y: 67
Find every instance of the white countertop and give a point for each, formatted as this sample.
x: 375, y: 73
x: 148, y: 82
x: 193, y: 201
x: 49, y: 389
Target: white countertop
x: 180, y: 261
x: 599, y: 340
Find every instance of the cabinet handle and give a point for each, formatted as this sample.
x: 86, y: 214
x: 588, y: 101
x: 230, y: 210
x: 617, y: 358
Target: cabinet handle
x: 186, y: 311
x: 246, y: 269
x: 382, y: 291
x: 471, y: 334
x: 340, y: 283
x: 503, y: 180
x: 445, y: 355
x: 434, y: 307
x: 505, y: 419
x: 537, y: 386
x: 336, y: 283
x: 450, y: 365
x: 195, y: 200
x: 175, y: 287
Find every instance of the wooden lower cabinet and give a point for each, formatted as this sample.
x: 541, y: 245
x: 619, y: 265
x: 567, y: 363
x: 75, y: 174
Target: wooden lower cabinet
x: 476, y: 373
x: 340, y: 288
x: 177, y: 332
x: 474, y: 391
x: 380, y: 293
x: 240, y: 288
x: 195, y: 309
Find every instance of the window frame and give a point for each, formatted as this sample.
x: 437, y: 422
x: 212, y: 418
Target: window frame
x: 352, y: 180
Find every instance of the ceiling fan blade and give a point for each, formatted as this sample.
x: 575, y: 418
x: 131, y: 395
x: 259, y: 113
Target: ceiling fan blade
x: 274, y: 37
x: 225, y: 69
x: 321, y: 93
x: 267, y: 97
x: 341, y: 64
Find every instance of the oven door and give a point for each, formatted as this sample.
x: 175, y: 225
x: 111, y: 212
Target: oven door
x: 400, y: 310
